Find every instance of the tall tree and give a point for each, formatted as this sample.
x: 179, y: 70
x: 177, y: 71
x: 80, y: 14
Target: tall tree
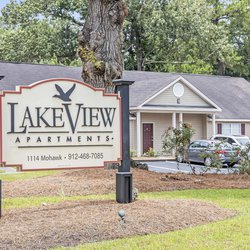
x: 41, y: 31
x: 233, y: 16
x: 196, y: 36
x: 100, y: 43
x: 135, y: 37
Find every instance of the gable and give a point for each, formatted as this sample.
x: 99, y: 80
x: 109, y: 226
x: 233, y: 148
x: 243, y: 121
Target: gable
x: 189, y: 98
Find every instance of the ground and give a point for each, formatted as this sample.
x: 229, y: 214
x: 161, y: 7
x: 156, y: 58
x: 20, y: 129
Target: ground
x: 101, y: 181
x: 69, y: 223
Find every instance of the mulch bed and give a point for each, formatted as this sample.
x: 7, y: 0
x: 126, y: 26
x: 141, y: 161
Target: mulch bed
x: 72, y: 223
x: 102, y: 181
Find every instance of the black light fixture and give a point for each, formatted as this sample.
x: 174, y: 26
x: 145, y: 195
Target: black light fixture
x: 1, y: 77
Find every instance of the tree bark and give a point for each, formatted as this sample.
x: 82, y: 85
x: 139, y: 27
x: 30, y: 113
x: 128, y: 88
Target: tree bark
x: 100, y: 43
x: 220, y: 65
x: 139, y: 50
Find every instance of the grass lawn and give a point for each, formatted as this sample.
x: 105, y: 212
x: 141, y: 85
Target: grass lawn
x: 233, y: 233
x: 25, y: 175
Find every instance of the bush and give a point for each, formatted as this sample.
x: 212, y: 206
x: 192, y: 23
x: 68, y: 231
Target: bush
x: 178, y: 140
x: 244, y: 164
x: 137, y: 164
x: 132, y: 153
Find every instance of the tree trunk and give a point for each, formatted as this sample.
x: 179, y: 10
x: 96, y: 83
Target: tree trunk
x: 139, y: 50
x: 221, y: 67
x: 100, y: 43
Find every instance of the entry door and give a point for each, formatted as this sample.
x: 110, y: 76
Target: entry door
x: 147, y: 136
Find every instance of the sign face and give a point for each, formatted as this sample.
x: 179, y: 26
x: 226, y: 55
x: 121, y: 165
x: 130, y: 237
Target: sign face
x: 59, y: 124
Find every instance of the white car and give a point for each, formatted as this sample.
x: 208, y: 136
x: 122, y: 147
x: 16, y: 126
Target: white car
x: 235, y: 140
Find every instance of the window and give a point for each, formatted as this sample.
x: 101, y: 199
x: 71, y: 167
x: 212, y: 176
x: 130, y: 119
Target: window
x: 222, y: 139
x: 226, y: 128
x: 231, y: 141
x: 204, y: 145
x: 195, y: 144
x: 231, y: 128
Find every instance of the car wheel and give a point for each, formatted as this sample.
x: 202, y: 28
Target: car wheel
x: 231, y: 164
x: 207, y: 161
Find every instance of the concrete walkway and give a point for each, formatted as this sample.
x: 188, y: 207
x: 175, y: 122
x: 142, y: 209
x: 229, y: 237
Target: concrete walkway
x: 8, y: 170
x: 157, y: 158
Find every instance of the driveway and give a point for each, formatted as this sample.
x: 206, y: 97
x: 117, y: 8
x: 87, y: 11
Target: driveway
x: 172, y: 167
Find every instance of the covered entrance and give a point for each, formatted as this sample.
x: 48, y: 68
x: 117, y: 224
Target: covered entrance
x: 178, y: 102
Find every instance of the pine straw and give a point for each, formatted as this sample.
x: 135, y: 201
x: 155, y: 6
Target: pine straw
x: 71, y: 223
x: 102, y: 181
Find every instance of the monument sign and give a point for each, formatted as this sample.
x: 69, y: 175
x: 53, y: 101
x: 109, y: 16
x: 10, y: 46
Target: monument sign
x: 59, y: 124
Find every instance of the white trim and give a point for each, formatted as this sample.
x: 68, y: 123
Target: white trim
x: 174, y: 120
x: 180, y: 119
x: 232, y: 120
x: 213, y: 124
x: 170, y: 110
x: 138, y: 134
x: 183, y: 80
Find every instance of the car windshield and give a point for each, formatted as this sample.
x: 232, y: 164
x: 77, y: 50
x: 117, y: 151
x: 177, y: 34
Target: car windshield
x: 243, y: 141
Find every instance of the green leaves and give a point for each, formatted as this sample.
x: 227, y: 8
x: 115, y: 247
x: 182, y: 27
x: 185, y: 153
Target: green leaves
x: 182, y: 36
x: 40, y: 31
x: 195, y: 36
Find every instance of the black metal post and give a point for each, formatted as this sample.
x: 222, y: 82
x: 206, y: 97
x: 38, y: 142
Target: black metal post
x: 0, y: 198
x: 124, y: 176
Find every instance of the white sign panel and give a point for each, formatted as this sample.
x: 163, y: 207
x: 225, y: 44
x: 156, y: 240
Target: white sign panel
x: 59, y: 124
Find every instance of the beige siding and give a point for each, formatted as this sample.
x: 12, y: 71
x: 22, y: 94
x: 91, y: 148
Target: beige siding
x: 189, y: 98
x: 160, y: 123
x: 198, y: 123
x: 210, y: 129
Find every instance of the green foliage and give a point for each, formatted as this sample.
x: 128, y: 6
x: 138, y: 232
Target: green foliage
x: 212, y: 158
x: 41, y: 31
x: 40, y: 41
x: 191, y: 36
x: 244, y: 164
x: 150, y: 152
x: 177, y: 140
x: 26, y: 175
x: 132, y: 153
x: 176, y: 36
x: 234, y: 17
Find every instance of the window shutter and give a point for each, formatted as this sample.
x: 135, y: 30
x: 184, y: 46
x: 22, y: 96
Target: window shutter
x: 242, y: 128
x: 219, y: 128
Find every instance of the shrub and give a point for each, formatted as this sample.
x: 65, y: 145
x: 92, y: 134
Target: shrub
x: 132, y: 153
x: 178, y: 139
x: 244, y: 163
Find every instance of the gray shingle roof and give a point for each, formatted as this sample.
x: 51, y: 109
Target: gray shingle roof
x: 231, y: 94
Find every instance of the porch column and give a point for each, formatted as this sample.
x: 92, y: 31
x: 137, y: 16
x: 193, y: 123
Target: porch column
x: 174, y: 120
x: 180, y: 120
x: 213, y: 124
x: 138, y: 133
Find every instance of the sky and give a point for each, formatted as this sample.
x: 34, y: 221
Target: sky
x: 3, y: 3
